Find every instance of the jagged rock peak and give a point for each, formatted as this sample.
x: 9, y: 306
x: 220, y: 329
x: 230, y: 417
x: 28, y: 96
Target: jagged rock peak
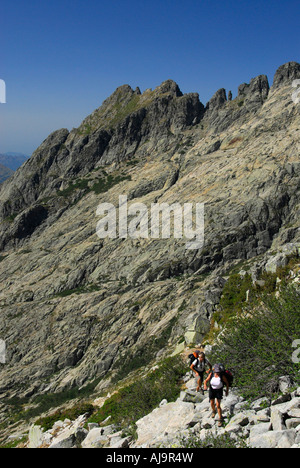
x: 257, y: 90
x: 259, y: 85
x: 218, y: 100
x: 125, y: 101
x: 121, y: 96
x: 170, y: 87
x: 125, y: 93
x: 286, y: 74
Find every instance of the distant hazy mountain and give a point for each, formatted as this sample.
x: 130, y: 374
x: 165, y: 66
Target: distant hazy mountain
x: 13, y: 160
x: 5, y: 173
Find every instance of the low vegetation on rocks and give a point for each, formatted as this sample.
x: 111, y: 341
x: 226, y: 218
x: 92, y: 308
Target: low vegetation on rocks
x: 262, y: 410
x: 258, y: 344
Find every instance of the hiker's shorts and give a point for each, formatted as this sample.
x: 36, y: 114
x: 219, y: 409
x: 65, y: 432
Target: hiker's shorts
x: 216, y: 394
x: 201, y: 375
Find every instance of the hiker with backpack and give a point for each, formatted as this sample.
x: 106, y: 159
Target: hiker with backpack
x: 198, y: 364
x: 217, y: 379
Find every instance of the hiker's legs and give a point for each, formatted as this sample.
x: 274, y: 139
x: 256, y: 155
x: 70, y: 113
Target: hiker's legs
x: 199, y: 385
x: 219, y: 410
x: 200, y: 381
x: 213, y: 406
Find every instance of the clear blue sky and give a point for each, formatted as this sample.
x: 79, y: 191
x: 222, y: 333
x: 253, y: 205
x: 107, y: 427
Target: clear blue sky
x: 60, y: 59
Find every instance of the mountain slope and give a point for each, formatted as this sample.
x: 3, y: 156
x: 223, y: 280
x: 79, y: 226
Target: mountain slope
x: 5, y: 173
x: 77, y: 309
x: 13, y: 160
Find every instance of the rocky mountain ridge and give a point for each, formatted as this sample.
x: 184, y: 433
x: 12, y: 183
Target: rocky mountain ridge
x: 74, y: 307
x: 122, y: 125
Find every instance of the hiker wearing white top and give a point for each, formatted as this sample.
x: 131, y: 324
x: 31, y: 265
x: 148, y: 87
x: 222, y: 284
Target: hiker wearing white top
x: 198, y: 366
x: 217, y: 382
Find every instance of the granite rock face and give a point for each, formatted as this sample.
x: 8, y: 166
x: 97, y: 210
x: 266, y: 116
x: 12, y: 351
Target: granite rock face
x: 286, y: 74
x: 75, y: 307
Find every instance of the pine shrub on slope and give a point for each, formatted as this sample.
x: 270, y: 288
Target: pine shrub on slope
x: 258, y: 344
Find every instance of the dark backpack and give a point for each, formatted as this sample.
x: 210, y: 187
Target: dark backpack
x: 192, y: 358
x: 229, y: 377
x: 199, y: 367
x: 225, y: 372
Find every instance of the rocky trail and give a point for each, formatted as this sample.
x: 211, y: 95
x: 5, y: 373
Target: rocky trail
x: 264, y: 423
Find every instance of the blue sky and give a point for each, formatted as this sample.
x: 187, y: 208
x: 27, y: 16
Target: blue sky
x: 61, y: 59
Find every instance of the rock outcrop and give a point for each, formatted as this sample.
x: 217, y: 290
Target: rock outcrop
x: 73, y: 306
x: 262, y: 423
x: 285, y: 74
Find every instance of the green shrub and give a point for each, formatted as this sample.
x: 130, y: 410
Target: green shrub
x: 233, y: 297
x: 81, y: 184
x: 138, y: 399
x: 258, y: 344
x: 14, y: 443
x: 103, y: 185
x: 43, y: 403
x: 240, y: 292
x: 60, y: 415
x: 211, y: 441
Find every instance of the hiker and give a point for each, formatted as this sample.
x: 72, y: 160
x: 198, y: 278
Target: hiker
x: 198, y: 366
x: 217, y: 380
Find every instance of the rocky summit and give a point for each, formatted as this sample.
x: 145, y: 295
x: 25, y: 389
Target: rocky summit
x: 76, y: 308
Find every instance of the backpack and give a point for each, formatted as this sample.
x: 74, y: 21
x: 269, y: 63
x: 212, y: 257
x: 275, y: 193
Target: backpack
x: 192, y: 358
x: 227, y: 373
x: 229, y: 377
x: 200, y: 366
